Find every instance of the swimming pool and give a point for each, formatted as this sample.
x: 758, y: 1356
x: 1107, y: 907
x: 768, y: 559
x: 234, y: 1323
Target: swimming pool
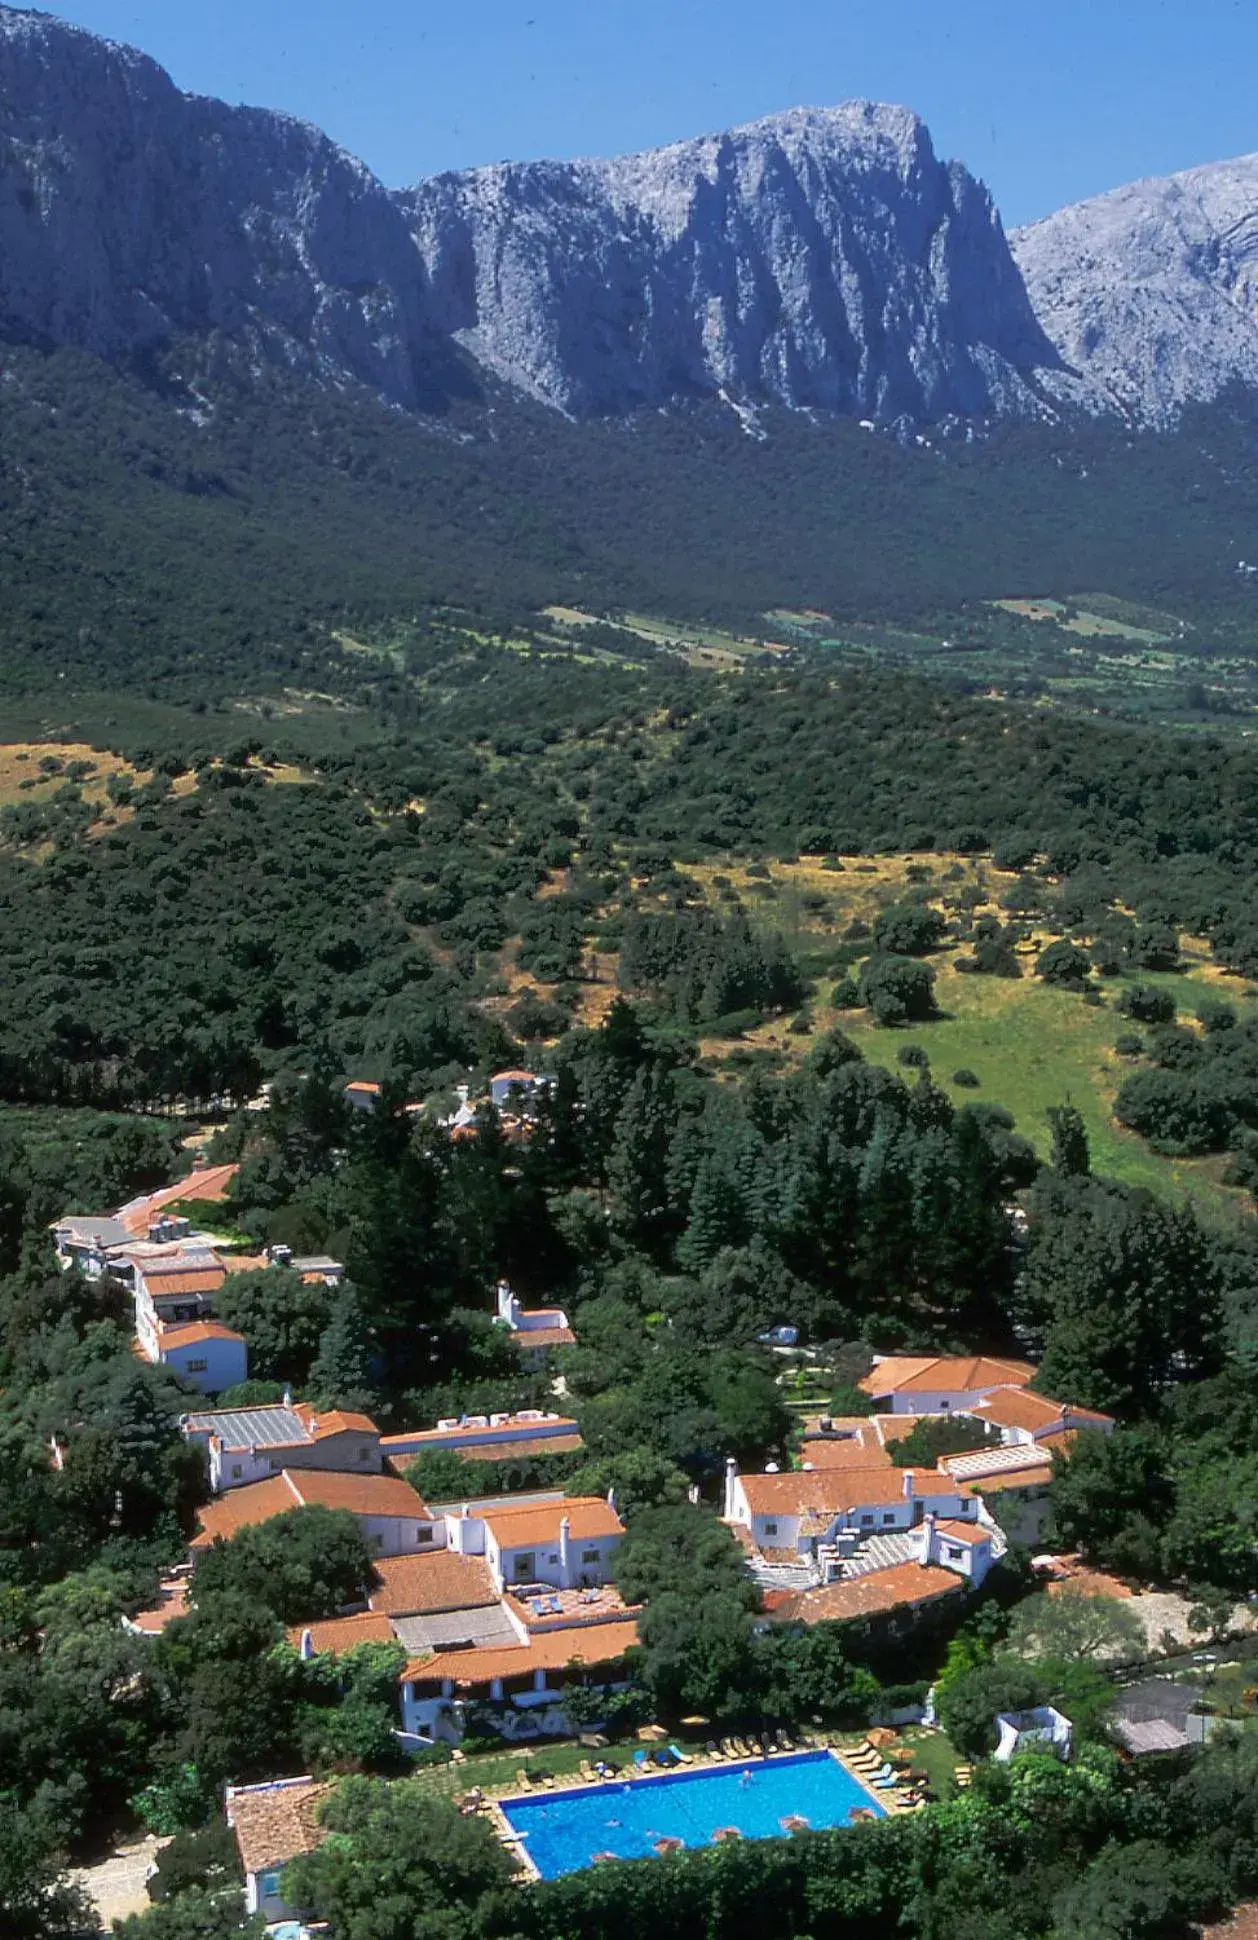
x: 565, y: 1831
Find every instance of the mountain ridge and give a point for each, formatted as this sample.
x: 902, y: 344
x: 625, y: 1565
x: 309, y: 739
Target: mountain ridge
x: 822, y: 258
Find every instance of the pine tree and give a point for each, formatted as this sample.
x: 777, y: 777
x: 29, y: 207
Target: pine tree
x: 342, y: 1369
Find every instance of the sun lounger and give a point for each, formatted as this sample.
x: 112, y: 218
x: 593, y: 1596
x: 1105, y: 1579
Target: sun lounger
x: 524, y: 1779
x: 588, y: 1772
x: 682, y: 1757
x: 714, y: 1750
x: 728, y: 1748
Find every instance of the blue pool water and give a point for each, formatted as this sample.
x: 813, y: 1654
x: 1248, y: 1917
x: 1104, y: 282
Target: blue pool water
x: 563, y: 1831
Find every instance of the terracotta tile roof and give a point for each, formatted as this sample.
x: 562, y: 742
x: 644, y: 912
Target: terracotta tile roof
x: 503, y: 1451
x: 426, y: 1585
x: 894, y: 1428
x: 963, y: 1532
x: 274, y: 1823
x: 210, y: 1183
x: 333, y: 1421
x: 531, y: 1527
x: 528, y: 1338
x: 854, y: 1443
x: 242, y: 1509
x: 943, y: 1373
x: 547, y: 1650
x: 174, y: 1603
x: 190, y: 1333
x: 344, y: 1633
x: 365, y: 1084
x: 162, y: 1283
x: 1034, y: 1475
x: 514, y: 1077
x: 904, y: 1585
x: 362, y: 1495
x: 835, y: 1490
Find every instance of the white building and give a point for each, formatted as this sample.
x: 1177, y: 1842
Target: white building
x: 273, y: 1824
x: 536, y: 1329
x: 939, y: 1384
x: 244, y: 1445
x: 394, y: 1519
x: 1040, y: 1729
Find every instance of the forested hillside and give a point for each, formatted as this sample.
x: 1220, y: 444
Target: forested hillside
x: 196, y: 541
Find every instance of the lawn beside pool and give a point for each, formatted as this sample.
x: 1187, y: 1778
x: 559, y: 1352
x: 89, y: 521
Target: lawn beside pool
x: 563, y: 1832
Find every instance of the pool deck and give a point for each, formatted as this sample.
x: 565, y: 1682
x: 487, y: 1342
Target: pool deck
x: 883, y: 1800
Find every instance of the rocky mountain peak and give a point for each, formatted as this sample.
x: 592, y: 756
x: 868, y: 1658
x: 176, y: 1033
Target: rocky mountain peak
x: 824, y: 257
x: 1150, y: 293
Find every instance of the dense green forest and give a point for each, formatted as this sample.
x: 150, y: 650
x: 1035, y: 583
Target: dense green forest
x: 196, y: 540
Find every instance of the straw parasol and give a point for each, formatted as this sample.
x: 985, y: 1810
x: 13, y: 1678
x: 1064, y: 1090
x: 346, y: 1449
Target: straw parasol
x: 652, y: 1734
x: 881, y: 1736
x: 724, y: 1833
x: 669, y: 1844
x: 863, y: 1812
x: 795, y: 1822
x: 696, y: 1723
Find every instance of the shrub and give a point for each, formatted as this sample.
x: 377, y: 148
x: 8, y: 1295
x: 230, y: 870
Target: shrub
x: 846, y: 994
x: 914, y: 1056
x: 1129, y: 1044
x: 898, y: 990
x: 908, y: 930
x: 1146, y: 1004
x: 966, y: 1079
x: 1063, y: 964
x: 1214, y: 1015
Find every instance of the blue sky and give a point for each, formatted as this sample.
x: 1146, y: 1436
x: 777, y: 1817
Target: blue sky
x: 1048, y: 103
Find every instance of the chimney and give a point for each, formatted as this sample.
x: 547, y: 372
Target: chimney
x: 928, y: 1537
x: 908, y: 1485
x: 565, y: 1532
x: 611, y: 1498
x: 731, y: 1476
x: 307, y: 1646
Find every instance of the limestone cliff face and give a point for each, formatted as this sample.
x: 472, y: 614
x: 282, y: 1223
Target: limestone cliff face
x: 1150, y: 293
x: 824, y: 257
x: 130, y: 212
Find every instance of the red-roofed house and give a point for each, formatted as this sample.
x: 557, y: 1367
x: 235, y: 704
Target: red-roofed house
x: 938, y: 1384
x: 536, y: 1329
x: 567, y: 1543
x: 203, y: 1353
x: 802, y: 1512
x: 1024, y: 1418
x: 521, y: 1683
x: 393, y: 1517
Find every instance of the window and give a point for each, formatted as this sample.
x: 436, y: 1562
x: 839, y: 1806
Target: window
x: 424, y: 1533
x: 363, y: 1453
x: 888, y: 1515
x: 378, y: 1541
x: 589, y: 1555
x: 268, y: 1885
x: 525, y: 1566
x: 867, y: 1522
x: 195, y: 1367
x: 953, y: 1552
x: 236, y: 1469
x: 770, y: 1529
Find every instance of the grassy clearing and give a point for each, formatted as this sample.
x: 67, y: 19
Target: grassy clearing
x: 1030, y: 1046
x: 23, y: 780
